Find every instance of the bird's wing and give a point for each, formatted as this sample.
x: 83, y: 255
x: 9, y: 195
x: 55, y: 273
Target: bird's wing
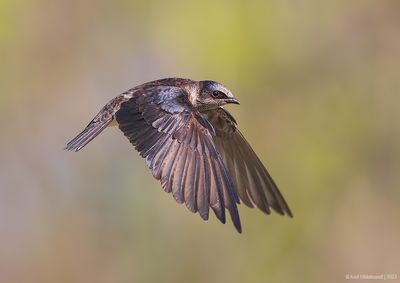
x: 250, y: 177
x: 177, y: 143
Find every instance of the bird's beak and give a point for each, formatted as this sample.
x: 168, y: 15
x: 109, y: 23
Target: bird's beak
x: 232, y: 100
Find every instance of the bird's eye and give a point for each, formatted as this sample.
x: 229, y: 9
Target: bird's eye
x: 218, y: 94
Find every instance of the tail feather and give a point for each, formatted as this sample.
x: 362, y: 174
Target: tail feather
x: 89, y: 133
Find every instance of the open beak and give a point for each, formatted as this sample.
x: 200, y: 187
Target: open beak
x: 232, y: 100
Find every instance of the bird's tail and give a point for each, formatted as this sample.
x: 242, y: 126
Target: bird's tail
x: 94, y: 128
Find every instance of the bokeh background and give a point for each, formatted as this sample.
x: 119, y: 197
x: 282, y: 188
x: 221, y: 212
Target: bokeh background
x: 319, y: 85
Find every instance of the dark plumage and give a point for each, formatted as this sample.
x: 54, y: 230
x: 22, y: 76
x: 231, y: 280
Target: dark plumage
x: 192, y: 145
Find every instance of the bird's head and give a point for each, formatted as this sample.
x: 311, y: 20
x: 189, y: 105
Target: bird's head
x: 213, y: 95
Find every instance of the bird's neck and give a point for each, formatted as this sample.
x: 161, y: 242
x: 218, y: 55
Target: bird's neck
x: 193, y: 91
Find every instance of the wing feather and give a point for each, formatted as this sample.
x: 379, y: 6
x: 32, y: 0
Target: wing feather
x: 250, y: 177
x: 177, y: 143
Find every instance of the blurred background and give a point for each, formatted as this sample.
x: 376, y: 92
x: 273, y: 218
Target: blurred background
x: 319, y: 85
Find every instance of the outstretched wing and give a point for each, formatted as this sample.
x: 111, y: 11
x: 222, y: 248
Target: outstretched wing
x: 177, y: 143
x: 250, y: 177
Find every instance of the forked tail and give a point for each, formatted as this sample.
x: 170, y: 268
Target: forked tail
x: 99, y: 123
x: 90, y: 132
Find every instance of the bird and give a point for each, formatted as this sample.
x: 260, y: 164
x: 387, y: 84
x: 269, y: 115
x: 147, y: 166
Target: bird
x: 192, y: 145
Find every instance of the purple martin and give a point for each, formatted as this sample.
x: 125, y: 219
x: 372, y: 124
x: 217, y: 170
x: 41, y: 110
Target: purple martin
x: 192, y: 145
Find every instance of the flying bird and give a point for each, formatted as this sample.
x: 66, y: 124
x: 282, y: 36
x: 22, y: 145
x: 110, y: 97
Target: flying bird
x: 192, y: 145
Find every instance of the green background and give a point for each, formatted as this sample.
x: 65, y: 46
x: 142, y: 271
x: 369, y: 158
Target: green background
x: 319, y: 85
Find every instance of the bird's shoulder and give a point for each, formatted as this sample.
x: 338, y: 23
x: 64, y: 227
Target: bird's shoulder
x: 173, y: 95
x: 166, y: 90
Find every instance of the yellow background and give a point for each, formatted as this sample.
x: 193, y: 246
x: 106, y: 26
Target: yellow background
x: 319, y: 85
